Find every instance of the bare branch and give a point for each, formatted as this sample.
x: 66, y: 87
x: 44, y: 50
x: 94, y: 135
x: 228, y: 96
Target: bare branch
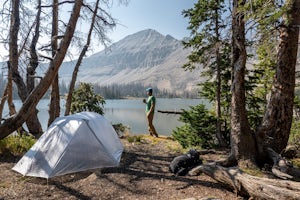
x: 46, y: 57
x: 26, y: 38
x: 60, y: 3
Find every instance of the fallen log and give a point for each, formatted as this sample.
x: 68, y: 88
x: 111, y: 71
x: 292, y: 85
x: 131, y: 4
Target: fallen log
x: 282, y: 168
x: 170, y: 112
x: 251, y: 186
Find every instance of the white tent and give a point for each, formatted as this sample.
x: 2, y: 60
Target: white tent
x: 73, y: 143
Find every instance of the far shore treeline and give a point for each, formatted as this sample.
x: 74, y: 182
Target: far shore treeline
x: 115, y: 91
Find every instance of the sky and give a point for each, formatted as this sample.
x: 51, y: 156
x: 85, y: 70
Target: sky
x: 164, y: 16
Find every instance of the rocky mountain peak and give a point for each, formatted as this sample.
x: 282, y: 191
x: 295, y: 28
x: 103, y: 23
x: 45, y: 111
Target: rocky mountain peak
x: 146, y: 57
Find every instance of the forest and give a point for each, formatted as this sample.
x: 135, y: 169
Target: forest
x: 113, y: 91
x: 253, y: 91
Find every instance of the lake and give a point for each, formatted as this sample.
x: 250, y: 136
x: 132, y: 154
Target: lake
x: 131, y: 112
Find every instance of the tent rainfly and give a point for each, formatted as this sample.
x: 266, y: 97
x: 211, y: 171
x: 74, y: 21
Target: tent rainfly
x: 71, y: 144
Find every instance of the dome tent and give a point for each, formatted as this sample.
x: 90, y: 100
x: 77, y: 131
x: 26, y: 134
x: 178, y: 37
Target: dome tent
x: 71, y: 144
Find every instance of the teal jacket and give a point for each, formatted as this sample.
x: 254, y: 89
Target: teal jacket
x: 150, y: 101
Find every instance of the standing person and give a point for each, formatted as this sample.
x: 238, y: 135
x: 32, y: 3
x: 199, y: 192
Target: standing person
x: 150, y: 106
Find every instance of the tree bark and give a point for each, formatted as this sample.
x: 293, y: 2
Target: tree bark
x: 247, y: 185
x: 275, y: 129
x: 33, y: 123
x: 33, y: 64
x: 7, y: 96
x: 12, y: 64
x: 54, y: 110
x: 243, y: 148
x: 2, y: 103
x: 11, y: 105
x: 25, y: 112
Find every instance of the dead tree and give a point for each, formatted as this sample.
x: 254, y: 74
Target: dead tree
x: 11, y: 124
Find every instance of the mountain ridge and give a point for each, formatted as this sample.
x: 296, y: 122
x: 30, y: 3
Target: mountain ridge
x: 146, y: 57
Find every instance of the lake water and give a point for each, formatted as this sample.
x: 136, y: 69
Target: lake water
x: 131, y: 112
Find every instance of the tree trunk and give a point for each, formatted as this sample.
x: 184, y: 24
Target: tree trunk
x: 221, y: 139
x: 7, y: 96
x: 54, y: 110
x: 34, y: 62
x: 275, y: 129
x: 33, y: 123
x: 24, y: 113
x: 3, y: 100
x: 242, y: 142
x: 76, y: 68
x: 12, y: 64
x: 11, y: 105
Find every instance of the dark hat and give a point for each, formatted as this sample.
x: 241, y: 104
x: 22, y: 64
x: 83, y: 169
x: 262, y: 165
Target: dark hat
x: 149, y: 89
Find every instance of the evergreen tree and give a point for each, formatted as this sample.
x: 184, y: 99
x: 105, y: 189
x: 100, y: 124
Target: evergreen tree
x: 264, y: 15
x: 198, y: 129
x: 206, y: 22
x: 258, y: 84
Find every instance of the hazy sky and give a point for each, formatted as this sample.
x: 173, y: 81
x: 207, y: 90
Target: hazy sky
x: 165, y: 16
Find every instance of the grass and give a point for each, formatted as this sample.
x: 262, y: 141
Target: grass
x: 254, y: 172
x: 296, y: 162
x: 169, y: 142
x: 5, y: 185
x: 135, y: 139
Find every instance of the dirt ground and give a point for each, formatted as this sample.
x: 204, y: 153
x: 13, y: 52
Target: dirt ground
x: 143, y: 174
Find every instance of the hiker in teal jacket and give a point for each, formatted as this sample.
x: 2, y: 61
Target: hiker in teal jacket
x: 150, y: 106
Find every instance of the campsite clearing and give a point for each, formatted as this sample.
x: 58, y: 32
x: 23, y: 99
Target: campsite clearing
x: 143, y: 174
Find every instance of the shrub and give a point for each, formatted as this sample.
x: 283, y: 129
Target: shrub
x: 85, y: 99
x: 199, y: 128
x: 16, y: 145
x: 121, y: 129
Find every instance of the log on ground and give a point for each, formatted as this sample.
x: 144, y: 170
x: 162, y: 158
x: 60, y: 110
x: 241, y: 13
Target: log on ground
x: 252, y: 186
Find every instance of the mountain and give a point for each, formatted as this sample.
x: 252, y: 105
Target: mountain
x: 146, y: 57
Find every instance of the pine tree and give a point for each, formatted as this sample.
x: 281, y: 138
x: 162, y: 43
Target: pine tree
x: 208, y: 43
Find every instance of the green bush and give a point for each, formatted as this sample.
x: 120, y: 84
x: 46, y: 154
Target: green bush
x: 121, y: 129
x: 16, y: 145
x: 85, y: 99
x: 198, y: 130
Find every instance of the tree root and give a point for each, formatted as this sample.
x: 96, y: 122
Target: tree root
x: 229, y: 162
x: 282, y: 168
